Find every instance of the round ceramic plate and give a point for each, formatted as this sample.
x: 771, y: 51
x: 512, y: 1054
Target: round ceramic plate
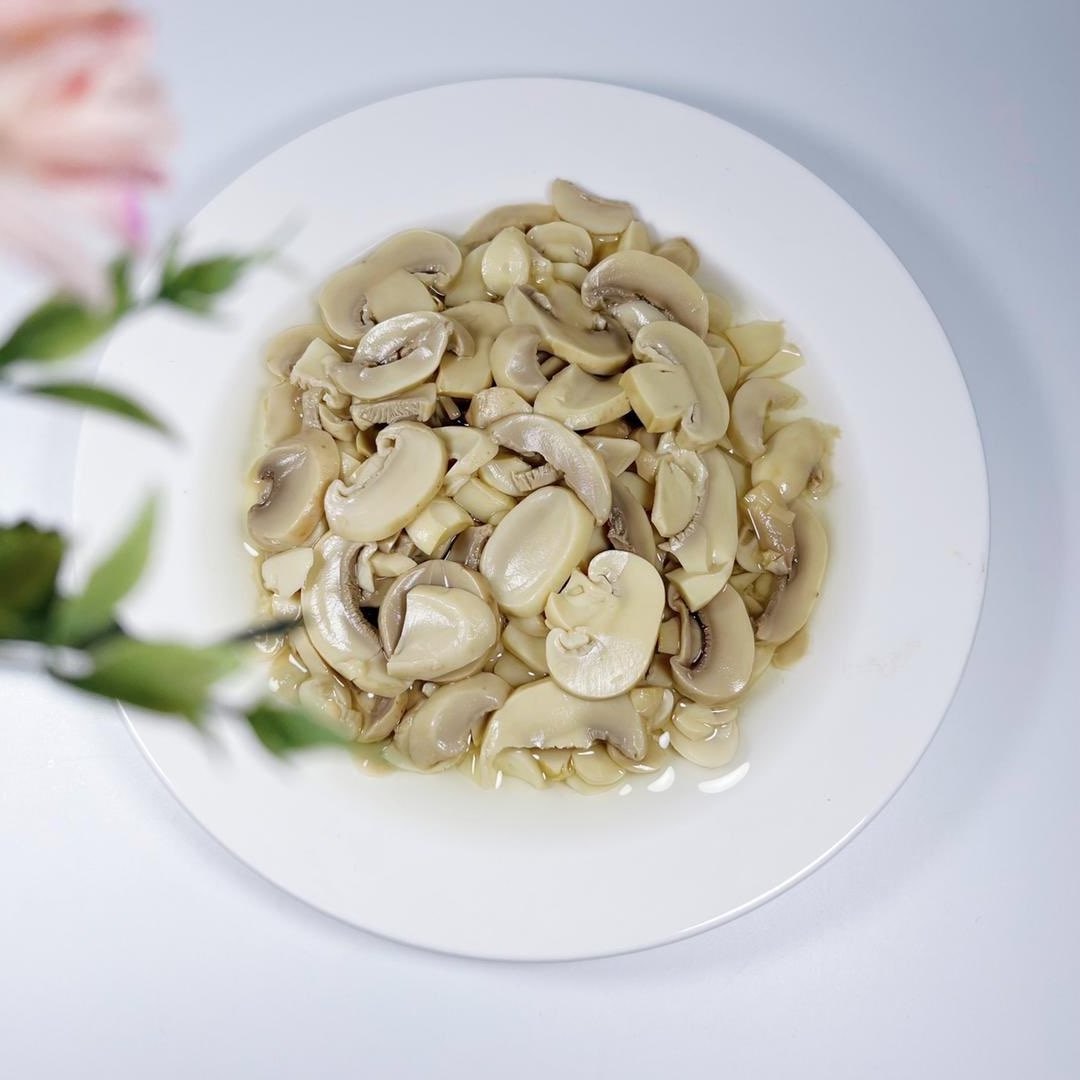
x: 518, y: 873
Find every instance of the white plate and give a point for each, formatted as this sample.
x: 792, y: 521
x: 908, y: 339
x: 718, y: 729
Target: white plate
x: 516, y: 873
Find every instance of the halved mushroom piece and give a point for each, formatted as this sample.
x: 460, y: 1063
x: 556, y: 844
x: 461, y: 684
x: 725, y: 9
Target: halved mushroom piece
x: 445, y: 632
x: 794, y: 596
x: 755, y: 341
x: 681, y: 252
x: 511, y: 260
x: 749, y: 409
x: 562, y: 242
x: 515, y: 361
x: 469, y: 449
x: 391, y: 487
x: 716, y: 652
x: 660, y: 394
x: 773, y: 525
x: 523, y: 216
x: 416, y: 404
x: 581, y: 466
x: 437, y: 524
x: 600, y: 352
x: 669, y: 343
x: 541, y: 715
x: 581, y: 401
x: 284, y: 349
x: 638, y: 275
x: 618, y: 453
x: 795, y: 459
x: 482, y: 501
x: 628, y: 526
x: 534, y: 548
x: 292, y: 480
x: 466, y: 373
x: 469, y: 545
x: 697, y: 589
x: 332, y: 602
x: 601, y: 217
x: 604, y: 625
x: 394, y: 356
x: 493, y: 404
x: 435, y: 259
x: 441, y: 727
x: 709, y: 542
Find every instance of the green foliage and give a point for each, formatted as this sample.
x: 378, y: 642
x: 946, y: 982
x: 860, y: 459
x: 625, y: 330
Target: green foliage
x: 281, y: 728
x: 99, y: 399
x: 29, y: 562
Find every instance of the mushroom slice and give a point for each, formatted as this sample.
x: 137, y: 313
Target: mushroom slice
x: 697, y: 589
x: 391, y: 487
x: 773, y: 525
x: 523, y: 216
x: 465, y: 374
x: 529, y: 648
x: 794, y: 597
x: 534, y: 548
x: 503, y: 471
x: 493, y: 404
x: 680, y: 486
x: 469, y: 449
x: 581, y: 401
x: 618, y: 454
x: 581, y: 466
x: 437, y: 524
x: 441, y: 727
x: 794, y: 459
x: 482, y: 502
x: 635, y: 237
x: 515, y: 362
x: 284, y: 349
x: 541, y: 715
x: 601, y: 217
x: 713, y: 747
x: 719, y: 313
x: 661, y: 395
x: 394, y: 356
x: 727, y: 364
x: 628, y: 526
x: 444, y: 631
x: 469, y: 283
x: 562, y: 242
x: 284, y: 574
x: 638, y: 275
x: 599, y: 352
x: 292, y: 480
x: 331, y: 601
x: 398, y: 294
x: 750, y: 407
x: 671, y: 343
x: 755, y: 342
x: 717, y: 669
x: 343, y: 301
x: 511, y: 260
x: 709, y: 542
x: 469, y: 545
x: 604, y: 625
x: 681, y: 252
x: 416, y: 404
x: 634, y: 315
x: 570, y: 272
x: 280, y: 413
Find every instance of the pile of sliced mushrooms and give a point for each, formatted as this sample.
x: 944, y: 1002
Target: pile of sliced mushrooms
x: 539, y: 508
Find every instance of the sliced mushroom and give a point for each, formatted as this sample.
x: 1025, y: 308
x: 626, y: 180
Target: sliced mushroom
x: 710, y: 540
x: 523, y: 216
x: 618, y: 453
x: 599, y: 352
x: 562, y: 242
x: 581, y: 466
x: 697, y: 589
x: 469, y: 284
x: 331, y: 601
x: 671, y: 343
x: 397, y: 294
x: 794, y: 459
x: 280, y: 413
x: 581, y: 401
x: 570, y: 272
x: 727, y: 364
x: 515, y: 362
x: 511, y: 475
x: 416, y: 404
x: 437, y: 524
x: 463, y: 375
x: 391, y: 487
x: 638, y: 275
x: 493, y: 404
x: 635, y: 237
x: 441, y: 727
x: 284, y: 574
x: 394, y: 356
x: 343, y: 301
x: 542, y: 715
x: 593, y: 771
x: 783, y: 362
x: 628, y: 526
x: 529, y: 648
x: 773, y: 525
x: 680, y: 486
x: 751, y: 406
x: 795, y: 596
x: 469, y: 449
x: 640, y: 489
x: 564, y: 302
x: 601, y: 217
x: 313, y: 369
x: 719, y: 313
x: 484, y: 503
x: 445, y: 631
x: 511, y: 260
x: 756, y: 341
x: 715, y: 745
x: 604, y: 625
x: 469, y: 545
x: 634, y: 315
x: 681, y: 252
x: 718, y: 669
x: 660, y: 394
x: 292, y: 480
x: 534, y: 548
x: 284, y: 349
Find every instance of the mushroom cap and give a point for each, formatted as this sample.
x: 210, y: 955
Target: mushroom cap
x: 293, y: 478
x: 638, y: 275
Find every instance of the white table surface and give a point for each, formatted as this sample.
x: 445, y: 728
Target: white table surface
x: 943, y: 941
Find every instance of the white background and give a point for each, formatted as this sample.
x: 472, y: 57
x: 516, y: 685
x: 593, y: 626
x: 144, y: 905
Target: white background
x: 943, y: 941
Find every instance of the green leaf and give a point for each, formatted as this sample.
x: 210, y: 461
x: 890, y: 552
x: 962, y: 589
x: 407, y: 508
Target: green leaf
x: 81, y: 618
x: 281, y: 728
x: 198, y: 284
x: 100, y: 399
x: 29, y: 562
x: 162, y: 676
